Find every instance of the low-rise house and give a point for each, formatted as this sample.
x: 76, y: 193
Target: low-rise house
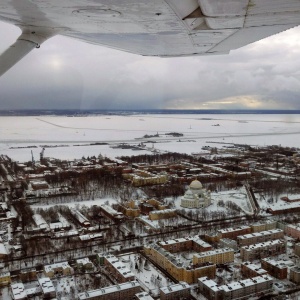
x: 61, y: 223
x: 18, y: 291
x: 28, y: 274
x: 80, y: 218
x: 39, y: 185
x: 40, y: 222
x: 3, y: 251
x: 111, y: 213
x: 62, y: 268
x: 47, y: 286
x: 5, y: 278
x: 84, y: 263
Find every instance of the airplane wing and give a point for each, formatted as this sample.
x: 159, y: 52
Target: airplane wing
x: 164, y: 28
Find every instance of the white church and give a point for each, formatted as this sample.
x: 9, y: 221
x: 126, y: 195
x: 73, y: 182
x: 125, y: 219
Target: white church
x: 196, y: 196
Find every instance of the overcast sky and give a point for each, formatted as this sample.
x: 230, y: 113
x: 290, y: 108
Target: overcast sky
x: 66, y: 73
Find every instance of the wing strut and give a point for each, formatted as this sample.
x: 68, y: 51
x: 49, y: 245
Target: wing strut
x: 23, y: 45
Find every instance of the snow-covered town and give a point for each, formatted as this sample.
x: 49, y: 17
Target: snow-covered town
x: 221, y: 224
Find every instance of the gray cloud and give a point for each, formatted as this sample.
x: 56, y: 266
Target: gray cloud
x: 66, y: 73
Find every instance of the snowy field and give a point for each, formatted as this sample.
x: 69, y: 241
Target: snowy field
x: 70, y: 137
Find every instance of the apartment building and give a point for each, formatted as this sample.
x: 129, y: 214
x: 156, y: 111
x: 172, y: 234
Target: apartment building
x: 262, y: 250
x: 123, y: 291
x: 233, y: 233
x: 185, y: 244
x: 130, y: 209
x: 228, y: 243
x: 258, y: 227
x: 249, y: 270
x: 118, y: 269
x: 175, y: 291
x: 293, y: 230
x: 260, y: 237
x: 217, y: 256
x: 295, y: 274
x: 297, y: 249
x: 47, y: 287
x: 276, y: 267
x: 236, y: 290
x: 199, y: 245
x: 180, y: 270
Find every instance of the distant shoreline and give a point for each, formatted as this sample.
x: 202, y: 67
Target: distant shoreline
x: 78, y: 113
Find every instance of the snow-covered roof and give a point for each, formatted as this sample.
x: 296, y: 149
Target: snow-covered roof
x: 39, y: 221
x: 262, y: 233
x: 46, y: 285
x: 236, y: 285
x: 84, y: 261
x: 108, y: 290
x: 3, y: 250
x: 278, y: 263
x: 255, y: 268
x: 225, y: 230
x: 214, y: 252
x: 175, y: 288
x: 264, y: 244
x: 119, y: 266
x: 18, y: 291
x: 60, y: 265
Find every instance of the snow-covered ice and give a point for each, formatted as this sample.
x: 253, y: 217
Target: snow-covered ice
x: 197, y: 130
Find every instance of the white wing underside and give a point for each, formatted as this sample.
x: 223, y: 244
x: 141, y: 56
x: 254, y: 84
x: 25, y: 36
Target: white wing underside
x: 163, y: 28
